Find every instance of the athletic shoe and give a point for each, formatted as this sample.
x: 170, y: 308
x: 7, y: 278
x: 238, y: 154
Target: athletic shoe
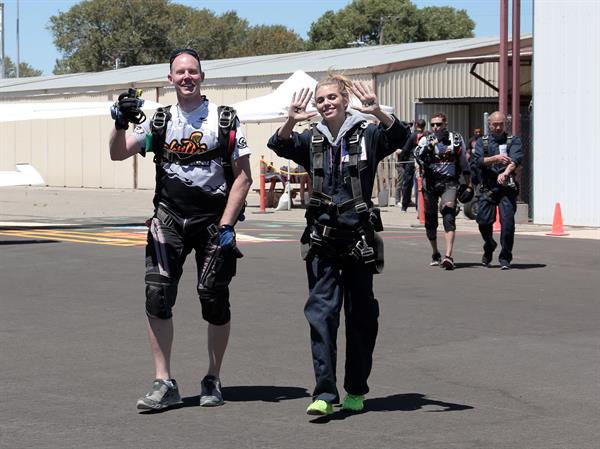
x: 353, y: 403
x: 486, y: 259
x: 436, y: 259
x: 448, y: 263
x: 319, y: 408
x: 504, y: 264
x: 162, y: 396
x: 211, y: 395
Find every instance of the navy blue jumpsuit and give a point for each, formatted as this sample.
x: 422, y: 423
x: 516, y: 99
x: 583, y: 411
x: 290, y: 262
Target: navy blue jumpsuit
x: 331, y: 280
x: 495, y: 195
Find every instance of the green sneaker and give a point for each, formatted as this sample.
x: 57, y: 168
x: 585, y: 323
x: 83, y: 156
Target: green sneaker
x: 319, y: 408
x: 353, y: 403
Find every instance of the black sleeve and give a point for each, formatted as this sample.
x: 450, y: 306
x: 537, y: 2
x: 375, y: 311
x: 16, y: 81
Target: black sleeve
x: 297, y: 148
x: 409, y: 147
x: 477, y: 159
x: 388, y: 140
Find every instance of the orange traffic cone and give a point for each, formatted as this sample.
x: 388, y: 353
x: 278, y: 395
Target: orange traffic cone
x: 497, y: 225
x: 557, y: 223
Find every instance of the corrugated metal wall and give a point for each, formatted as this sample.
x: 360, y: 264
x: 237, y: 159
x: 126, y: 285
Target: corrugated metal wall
x: 566, y: 76
x: 403, y: 89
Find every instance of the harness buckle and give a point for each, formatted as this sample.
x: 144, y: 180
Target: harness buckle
x: 160, y: 119
x: 361, y: 208
x: 362, y: 251
x: 212, y: 229
x: 318, y: 139
x: 226, y: 117
x: 314, y: 202
x: 354, y: 138
x: 327, y: 232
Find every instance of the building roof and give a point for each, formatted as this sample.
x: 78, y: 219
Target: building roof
x: 371, y: 59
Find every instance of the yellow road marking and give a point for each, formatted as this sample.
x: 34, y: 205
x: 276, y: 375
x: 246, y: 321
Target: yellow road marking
x: 115, y: 238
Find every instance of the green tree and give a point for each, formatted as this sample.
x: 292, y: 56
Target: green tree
x: 440, y: 23
x: 374, y: 22
x: 269, y: 40
x: 213, y: 36
x: 94, y: 34
x: 25, y: 70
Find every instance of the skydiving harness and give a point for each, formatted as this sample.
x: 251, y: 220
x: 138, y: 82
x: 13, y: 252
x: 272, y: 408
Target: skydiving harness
x: 225, y: 144
x: 486, y: 145
x: 428, y: 156
x: 367, y: 247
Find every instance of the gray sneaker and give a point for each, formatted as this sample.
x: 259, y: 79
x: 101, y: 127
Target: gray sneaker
x: 162, y: 396
x: 436, y: 260
x: 211, y: 395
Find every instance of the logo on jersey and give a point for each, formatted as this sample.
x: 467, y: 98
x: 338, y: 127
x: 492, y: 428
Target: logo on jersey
x: 188, y: 146
x: 242, y: 143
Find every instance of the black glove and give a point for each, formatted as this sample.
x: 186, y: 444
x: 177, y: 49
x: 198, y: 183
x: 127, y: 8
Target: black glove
x: 127, y: 109
x: 446, y: 137
x: 464, y: 193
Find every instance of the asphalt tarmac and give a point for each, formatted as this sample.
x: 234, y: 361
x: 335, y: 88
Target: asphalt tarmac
x: 473, y: 358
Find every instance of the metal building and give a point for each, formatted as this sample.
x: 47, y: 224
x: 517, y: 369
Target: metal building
x: 566, y: 110
x: 414, y: 78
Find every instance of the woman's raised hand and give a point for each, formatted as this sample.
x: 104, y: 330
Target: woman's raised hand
x: 367, y: 98
x: 297, y: 110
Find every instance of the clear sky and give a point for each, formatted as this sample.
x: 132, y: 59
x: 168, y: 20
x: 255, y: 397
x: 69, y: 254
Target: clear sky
x: 37, y: 49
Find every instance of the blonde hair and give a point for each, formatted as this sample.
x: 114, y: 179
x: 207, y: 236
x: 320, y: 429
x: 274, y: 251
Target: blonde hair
x: 343, y: 84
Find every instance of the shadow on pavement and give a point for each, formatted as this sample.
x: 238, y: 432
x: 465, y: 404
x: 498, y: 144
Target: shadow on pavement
x: 527, y: 266
x: 26, y: 242
x: 408, y: 402
x: 459, y: 265
x: 514, y: 266
x: 265, y: 393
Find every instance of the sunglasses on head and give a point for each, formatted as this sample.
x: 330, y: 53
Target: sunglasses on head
x: 180, y: 51
x: 433, y: 125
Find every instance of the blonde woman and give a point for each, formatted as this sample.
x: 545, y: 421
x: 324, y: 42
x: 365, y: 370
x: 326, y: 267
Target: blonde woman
x: 341, y: 153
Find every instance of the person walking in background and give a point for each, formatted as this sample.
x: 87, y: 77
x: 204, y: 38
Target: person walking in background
x: 496, y: 158
x: 407, y: 159
x: 442, y: 159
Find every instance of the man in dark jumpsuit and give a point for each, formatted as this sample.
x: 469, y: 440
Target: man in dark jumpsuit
x: 496, y: 157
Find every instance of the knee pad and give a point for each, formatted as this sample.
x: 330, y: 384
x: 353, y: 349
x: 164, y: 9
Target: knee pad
x: 431, y: 224
x: 160, y: 297
x: 215, y: 305
x: 449, y: 219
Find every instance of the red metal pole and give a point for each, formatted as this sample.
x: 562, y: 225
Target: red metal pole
x: 516, y: 67
x: 421, y: 200
x: 503, y: 66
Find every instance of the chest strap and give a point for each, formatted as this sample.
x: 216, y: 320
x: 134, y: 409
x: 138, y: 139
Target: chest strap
x: 320, y: 200
x: 486, y: 143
